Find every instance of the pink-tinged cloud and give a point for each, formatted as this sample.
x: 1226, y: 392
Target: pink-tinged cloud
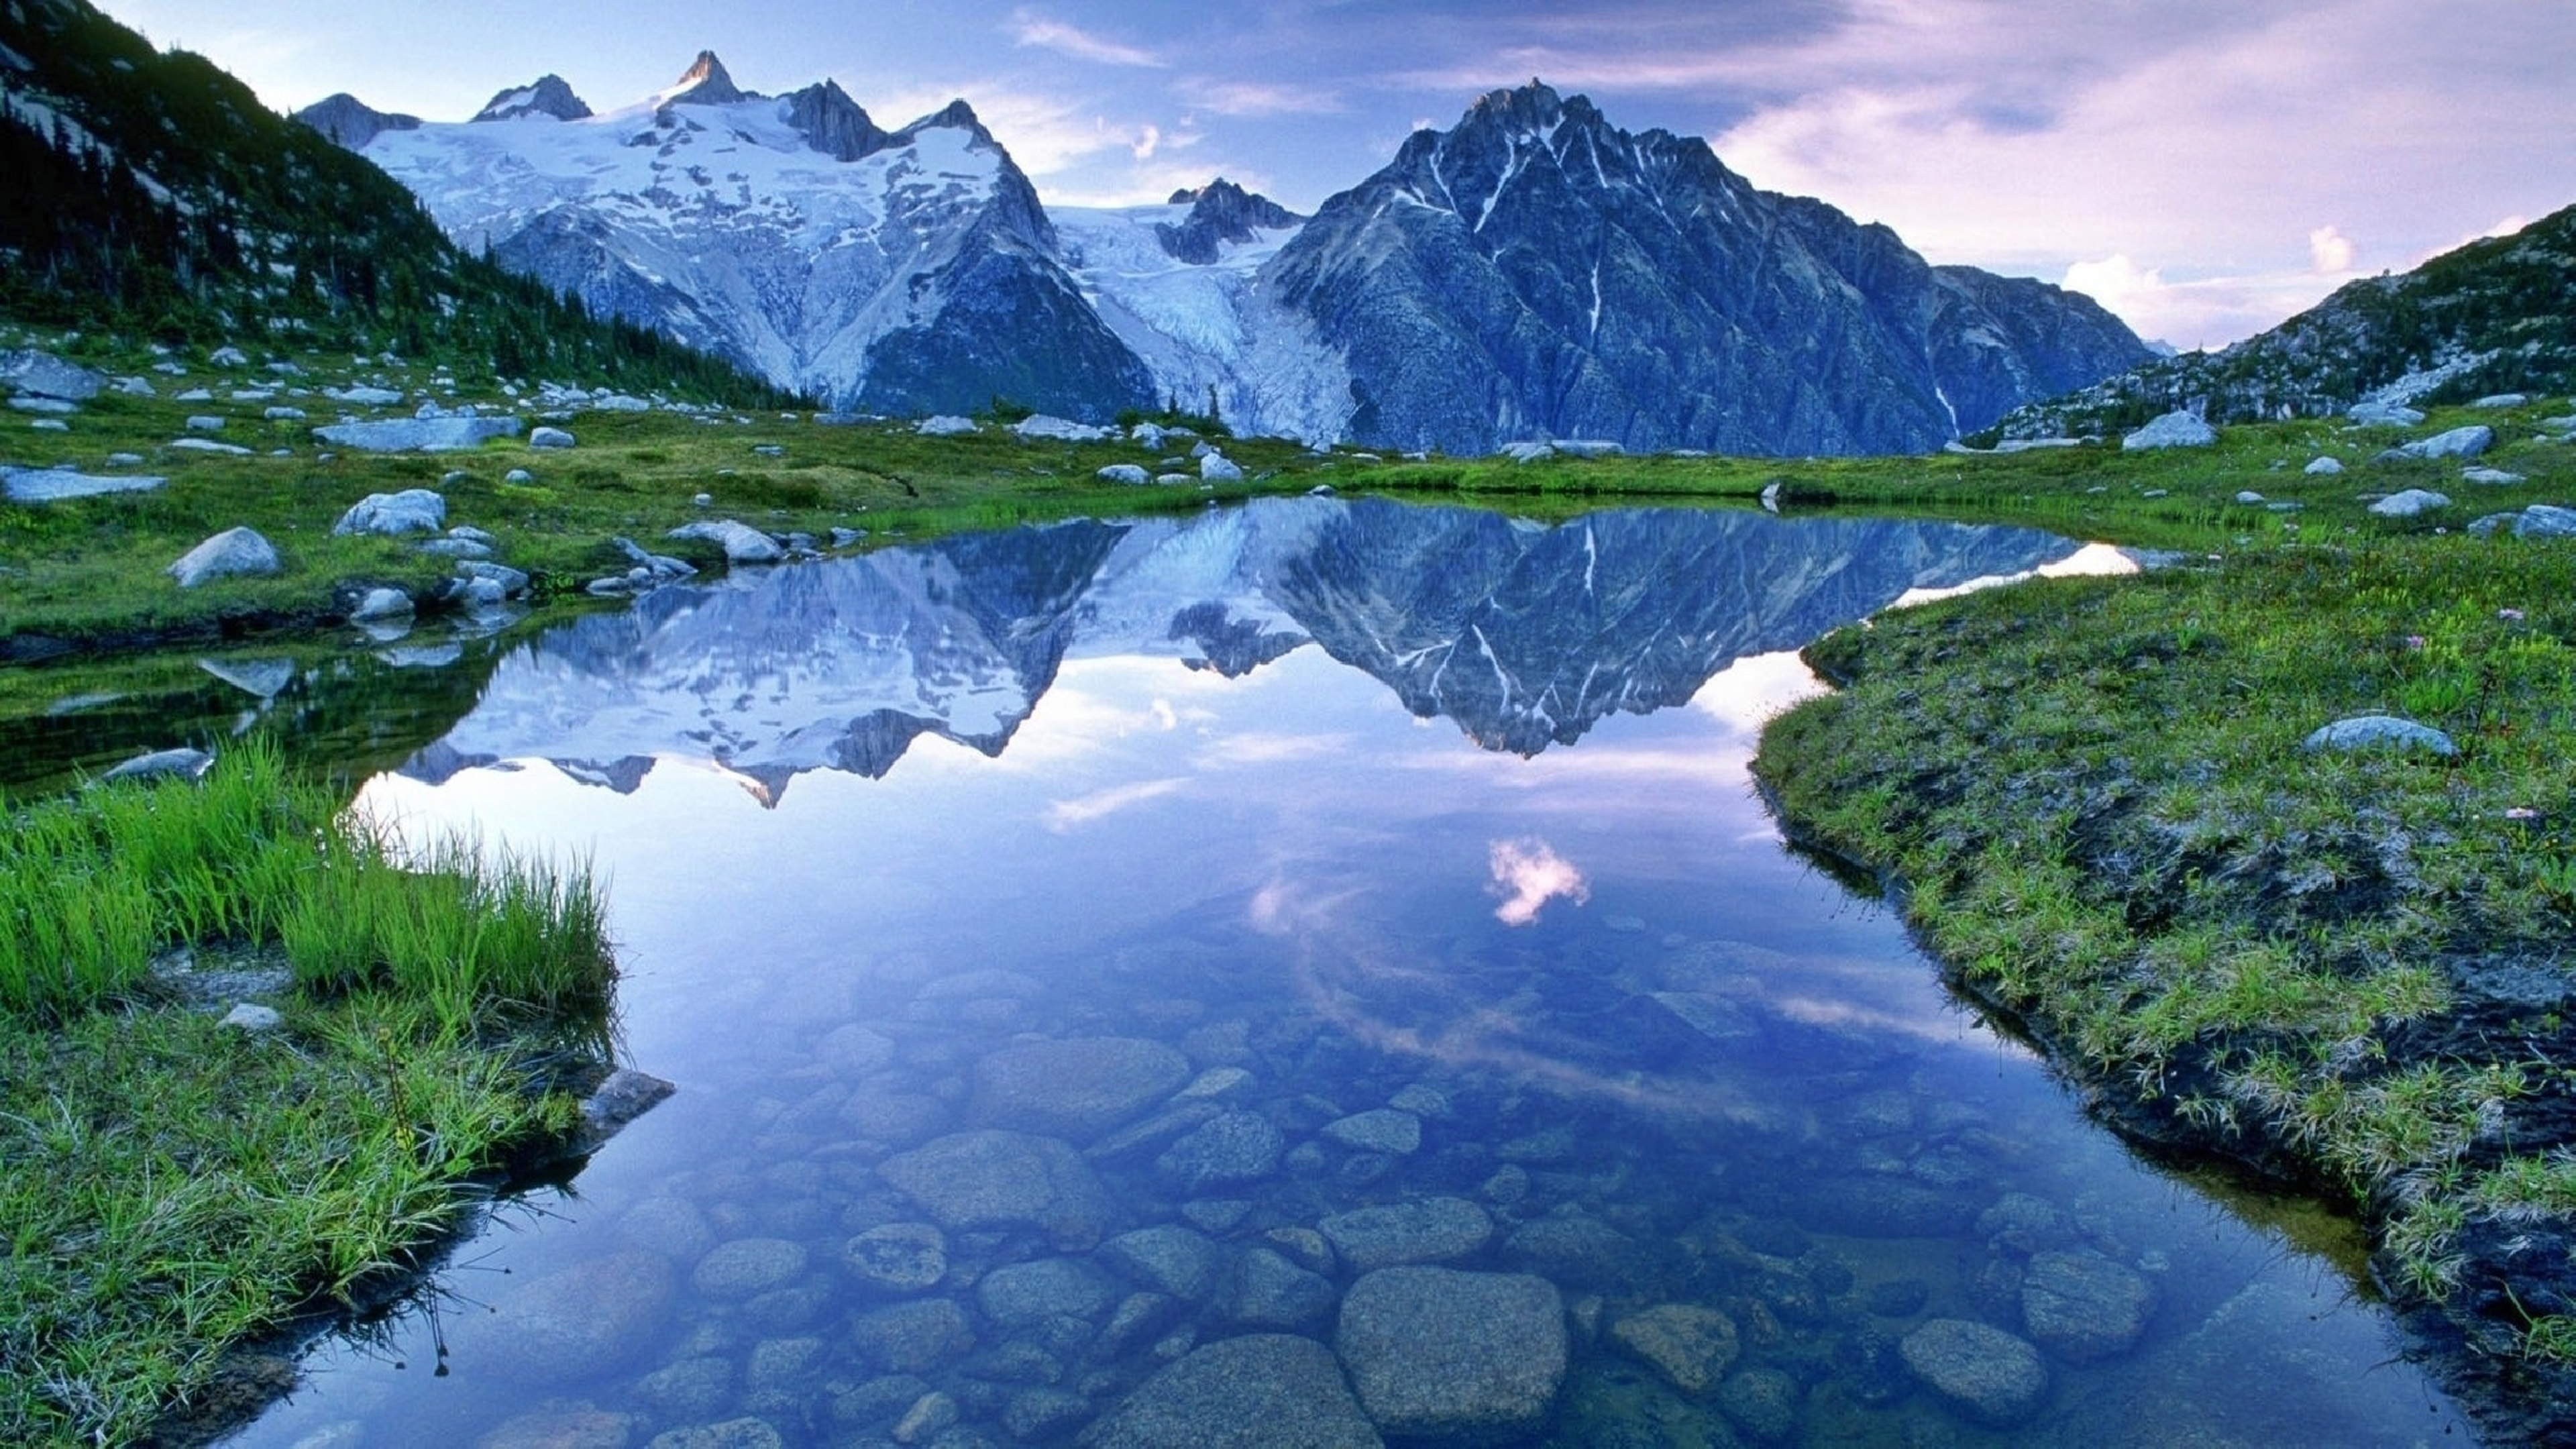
x: 1527, y: 875
x: 1029, y: 28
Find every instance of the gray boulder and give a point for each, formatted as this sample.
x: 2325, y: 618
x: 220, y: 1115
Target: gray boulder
x: 205, y: 423
x: 184, y: 764
x: 209, y: 445
x: 742, y: 543
x: 48, y: 406
x: 413, y: 510
x: 30, y: 373
x: 2083, y: 1307
x: 975, y: 1181
x: 2380, y: 731
x: 2541, y: 520
x: 1384, y: 1129
x: 1235, y: 1147
x: 1271, y: 1292
x: 231, y: 552
x: 1065, y: 430
x: 283, y: 415
x: 1218, y: 468
x: 2323, y: 467
x: 2466, y: 442
x: 2497, y: 477
x: 1169, y: 1259
x: 898, y: 1257
x: 1017, y: 1295
x: 512, y: 582
x: 1127, y: 473
x: 593, y: 1317
x: 1426, y: 1230
x: 378, y: 606
x: 1078, y: 1088
x: 945, y: 426
x: 912, y: 1338
x: 2502, y: 400
x: 748, y: 1266
x: 1468, y: 1357
x: 2383, y: 414
x: 46, y: 485
x: 1691, y: 1346
x: 550, y: 438
x: 419, y: 435
x: 2177, y: 429
x: 1262, y: 1391
x: 2409, y: 504
x: 1985, y: 1373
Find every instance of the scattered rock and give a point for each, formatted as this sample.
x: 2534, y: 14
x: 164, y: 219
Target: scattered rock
x: 413, y: 510
x: 748, y: 1266
x: 2466, y: 442
x: 46, y: 485
x: 228, y: 356
x: 1437, y: 1353
x: 1691, y: 1346
x: 2377, y: 731
x: 1233, y: 1147
x: 2177, y: 429
x: 899, y: 1257
x: 1001, y: 1180
x: 1077, y: 1088
x: 378, y: 606
x: 2083, y: 1307
x: 283, y: 415
x: 52, y: 407
x: 30, y: 373
x: 1986, y: 1373
x: 550, y: 438
x: 1262, y: 1391
x: 2502, y: 400
x: 1218, y: 468
x: 1426, y: 1230
x: 1019, y: 1294
x: 2541, y: 520
x: 1382, y: 1130
x: 2383, y: 414
x: 587, y: 1319
x: 1168, y: 1259
x: 254, y: 1018
x: 912, y: 1338
x: 945, y: 426
x: 2409, y: 503
x: 235, y: 551
x: 1127, y: 473
x: 208, y: 445
x: 2248, y: 495
x: 742, y: 543
x: 205, y: 423
x: 569, y: 1427
x: 2493, y: 476
x: 743, y: 1433
x: 1763, y: 1403
x: 159, y: 764
x: 418, y: 435
x: 1271, y: 1292
x: 1064, y: 430
x: 2323, y: 467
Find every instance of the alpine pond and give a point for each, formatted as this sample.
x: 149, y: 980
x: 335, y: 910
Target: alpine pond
x: 1314, y: 973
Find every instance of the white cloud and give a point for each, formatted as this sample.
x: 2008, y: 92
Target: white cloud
x: 1029, y: 28
x: 2330, y: 252
x: 1527, y: 875
x: 1253, y: 98
x: 1149, y: 139
x: 1064, y: 815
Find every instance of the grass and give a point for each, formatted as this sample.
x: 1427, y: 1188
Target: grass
x: 171, y: 1187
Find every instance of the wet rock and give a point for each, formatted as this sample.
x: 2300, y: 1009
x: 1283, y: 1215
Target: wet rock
x: 1764, y: 1403
x: 2083, y: 1307
x: 233, y: 552
x: 1231, y: 1148
x: 1271, y: 1292
x: 912, y: 1338
x: 894, y: 1118
x: 1690, y: 1345
x: 2380, y: 731
x: 1304, y: 1246
x: 778, y: 1363
x: 589, y: 1318
x: 571, y: 1427
x: 1435, y: 1352
x: 1897, y: 1297
x: 1263, y: 1391
x: 743, y: 1433
x: 928, y: 1415
x: 878, y: 1400
x: 996, y: 1179
x: 1983, y: 1372
x: 1036, y: 1414
x: 182, y: 764
x: 1216, y: 1214
x: 1154, y: 1133
x: 748, y: 1266
x: 1078, y: 1088
x: 670, y: 1226
x: 1383, y: 1130
x: 2024, y: 1223
x: 1877, y: 1207
x: 1020, y: 1294
x: 1872, y: 1368
x: 1139, y: 1317
x: 1426, y: 1230
x: 898, y: 1257
x: 1168, y: 1259
x: 378, y: 606
x: 1577, y: 1250
x: 854, y: 1050
x: 693, y: 1388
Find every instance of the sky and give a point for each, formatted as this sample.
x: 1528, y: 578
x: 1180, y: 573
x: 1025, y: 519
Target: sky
x: 2205, y: 168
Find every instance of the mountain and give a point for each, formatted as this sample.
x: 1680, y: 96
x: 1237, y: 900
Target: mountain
x: 1535, y: 271
x: 904, y: 271
x: 1525, y: 636
x: 151, y: 194
x: 2497, y: 315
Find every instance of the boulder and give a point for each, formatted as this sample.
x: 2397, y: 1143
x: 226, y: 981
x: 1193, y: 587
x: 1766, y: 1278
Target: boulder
x: 46, y: 485
x: 2083, y: 1307
x: 2177, y: 429
x: 591, y: 1318
x: 2383, y: 414
x: 1169, y: 1259
x: 228, y: 356
x: 2494, y: 476
x: 1218, y: 468
x: 1691, y: 1346
x: 742, y: 543
x: 550, y: 438
x: 945, y: 426
x: 1076, y: 1088
x: 1271, y: 1292
x: 413, y: 510
x: 1529, y: 452
x: 1426, y: 1230
x: 231, y: 552
x: 973, y: 1181
x: 418, y: 435
x: 1384, y: 1129
x: 49, y: 406
x: 1065, y: 430
x: 1589, y: 448
x: 618, y: 402
x: 1017, y: 1295
x: 2466, y: 442
x: 365, y: 397
x: 205, y: 423
x: 209, y: 445
x: 898, y: 1257
x: 912, y: 1338
x: 2323, y: 467
x: 512, y: 582
x: 183, y: 764
x: 1127, y: 473
x: 1230, y: 1148
x: 1262, y: 1391
x: 2541, y: 520
x: 30, y: 373
x: 1465, y: 1357
x: 2380, y: 731
x: 2409, y: 504
x: 378, y: 606
x: 747, y: 1267
x: 1985, y: 1373
x: 2502, y: 400
x: 283, y: 415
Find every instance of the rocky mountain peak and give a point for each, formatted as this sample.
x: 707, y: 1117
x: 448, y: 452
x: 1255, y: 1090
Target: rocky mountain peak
x: 834, y: 124
x: 351, y: 123
x: 705, y: 83
x: 1220, y: 212
x: 548, y: 96
x: 955, y: 116
x: 1531, y: 110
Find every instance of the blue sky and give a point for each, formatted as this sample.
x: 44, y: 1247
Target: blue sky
x: 2204, y: 167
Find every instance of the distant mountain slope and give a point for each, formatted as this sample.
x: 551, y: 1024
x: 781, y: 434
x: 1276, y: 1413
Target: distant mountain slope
x: 1537, y: 272
x: 905, y: 271
x: 150, y: 192
x: 2497, y: 315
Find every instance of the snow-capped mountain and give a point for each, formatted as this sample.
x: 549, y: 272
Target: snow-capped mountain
x: 911, y: 270
x: 1525, y: 636
x: 1533, y: 272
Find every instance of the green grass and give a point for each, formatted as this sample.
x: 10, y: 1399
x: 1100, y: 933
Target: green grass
x: 170, y: 1187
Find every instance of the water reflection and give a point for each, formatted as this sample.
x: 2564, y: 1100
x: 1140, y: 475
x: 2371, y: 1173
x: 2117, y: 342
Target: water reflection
x: 1184, y: 1065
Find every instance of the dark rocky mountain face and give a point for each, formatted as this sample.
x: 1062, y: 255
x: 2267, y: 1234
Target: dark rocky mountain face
x: 834, y: 124
x: 549, y: 95
x: 351, y: 122
x: 1220, y: 212
x: 1537, y: 272
x: 1526, y: 636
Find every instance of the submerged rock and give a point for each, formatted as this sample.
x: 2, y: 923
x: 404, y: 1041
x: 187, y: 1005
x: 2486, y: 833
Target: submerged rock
x: 1435, y: 1352
x: 2083, y: 1307
x: 1234, y: 1147
x: 898, y: 1257
x: 1427, y: 1230
x: 574, y: 1322
x: 1262, y: 1391
x: 1078, y: 1088
x: 969, y: 1181
x: 1691, y: 1346
x: 1984, y: 1372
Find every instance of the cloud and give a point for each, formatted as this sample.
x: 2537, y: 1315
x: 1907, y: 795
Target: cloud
x: 1149, y: 139
x: 1064, y: 815
x: 1029, y: 28
x: 1255, y: 99
x: 2330, y: 252
x: 1527, y: 875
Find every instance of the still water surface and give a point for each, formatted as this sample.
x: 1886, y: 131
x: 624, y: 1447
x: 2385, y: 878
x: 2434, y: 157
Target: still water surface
x: 1308, y: 974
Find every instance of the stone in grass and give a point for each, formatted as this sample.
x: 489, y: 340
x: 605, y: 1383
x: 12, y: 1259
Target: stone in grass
x: 1691, y: 1346
x: 377, y: 606
x: 413, y: 510
x: 205, y: 423
x: 2466, y: 442
x: 419, y: 435
x: 1127, y: 473
x: 2494, y: 476
x: 945, y: 426
x: 1254, y: 1392
x: 1985, y: 1373
x: 2541, y: 520
x: 742, y: 543
x: 550, y: 438
x: 1218, y: 468
x: 46, y: 485
x: 2323, y: 467
x: 2177, y: 429
x: 162, y: 764
x: 1438, y: 1353
x: 2409, y: 504
x: 2380, y: 731
x: 233, y: 552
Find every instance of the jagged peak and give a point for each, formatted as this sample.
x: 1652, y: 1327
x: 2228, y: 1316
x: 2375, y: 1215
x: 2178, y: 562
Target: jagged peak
x: 834, y: 124
x: 1220, y: 212
x: 705, y: 83
x: 351, y: 123
x: 548, y: 95
x: 956, y: 116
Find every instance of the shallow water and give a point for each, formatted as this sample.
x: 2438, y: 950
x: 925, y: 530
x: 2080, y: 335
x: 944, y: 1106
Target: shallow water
x: 1102, y: 964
